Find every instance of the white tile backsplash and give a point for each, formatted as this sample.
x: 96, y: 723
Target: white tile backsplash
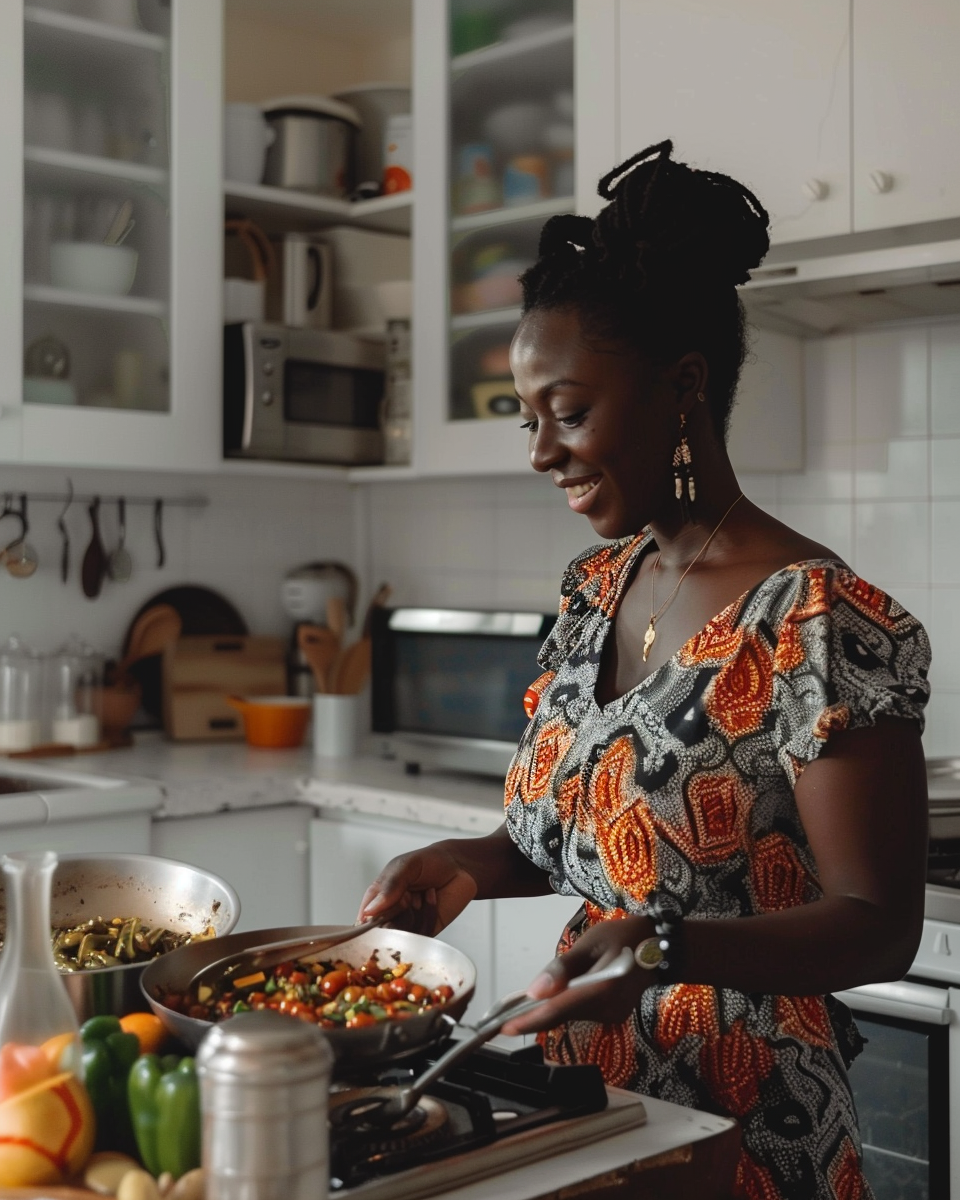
x: 881, y: 488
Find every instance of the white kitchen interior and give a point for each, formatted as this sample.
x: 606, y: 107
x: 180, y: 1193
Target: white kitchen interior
x: 849, y: 429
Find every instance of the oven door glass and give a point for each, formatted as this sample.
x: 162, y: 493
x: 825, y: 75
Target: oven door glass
x: 901, y: 1091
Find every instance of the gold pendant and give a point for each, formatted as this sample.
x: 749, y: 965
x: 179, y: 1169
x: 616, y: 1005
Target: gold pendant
x: 648, y: 639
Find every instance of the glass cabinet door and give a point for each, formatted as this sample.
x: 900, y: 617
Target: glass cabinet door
x: 511, y: 167
x: 97, y: 246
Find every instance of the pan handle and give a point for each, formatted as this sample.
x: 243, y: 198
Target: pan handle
x: 514, y: 1005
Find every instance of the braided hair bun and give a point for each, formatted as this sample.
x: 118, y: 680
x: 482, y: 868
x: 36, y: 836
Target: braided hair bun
x: 659, y: 266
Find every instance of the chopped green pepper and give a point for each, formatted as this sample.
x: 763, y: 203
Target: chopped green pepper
x: 108, y: 1054
x: 165, y: 1107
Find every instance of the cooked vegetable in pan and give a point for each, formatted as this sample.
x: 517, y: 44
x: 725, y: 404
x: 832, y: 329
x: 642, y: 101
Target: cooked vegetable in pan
x: 115, y: 943
x: 329, y: 994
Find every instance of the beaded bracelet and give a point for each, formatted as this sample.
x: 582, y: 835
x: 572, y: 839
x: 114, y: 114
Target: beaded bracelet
x: 662, y: 952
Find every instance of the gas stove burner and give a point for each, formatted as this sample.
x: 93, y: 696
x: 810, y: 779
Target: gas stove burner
x: 416, y: 1128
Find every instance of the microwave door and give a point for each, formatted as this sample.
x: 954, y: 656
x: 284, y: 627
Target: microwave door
x: 332, y: 412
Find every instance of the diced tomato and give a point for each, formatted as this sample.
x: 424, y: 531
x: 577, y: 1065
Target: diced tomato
x: 359, y: 1020
x: 441, y: 994
x: 333, y: 983
x: 299, y: 977
x: 416, y: 992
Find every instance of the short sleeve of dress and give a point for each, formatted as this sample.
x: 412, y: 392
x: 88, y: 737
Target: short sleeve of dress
x: 585, y: 587
x: 846, y: 654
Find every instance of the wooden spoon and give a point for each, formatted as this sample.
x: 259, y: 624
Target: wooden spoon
x: 94, y: 564
x: 353, y: 670
x: 320, y: 647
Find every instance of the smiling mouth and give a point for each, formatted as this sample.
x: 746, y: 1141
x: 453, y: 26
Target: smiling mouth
x: 580, y: 495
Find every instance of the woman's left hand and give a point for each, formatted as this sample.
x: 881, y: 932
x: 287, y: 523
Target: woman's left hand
x: 607, y: 1003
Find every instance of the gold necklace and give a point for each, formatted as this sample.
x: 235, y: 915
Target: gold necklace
x: 651, y: 635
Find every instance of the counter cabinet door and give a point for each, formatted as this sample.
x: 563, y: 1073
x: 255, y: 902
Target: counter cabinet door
x: 262, y: 853
x: 347, y: 855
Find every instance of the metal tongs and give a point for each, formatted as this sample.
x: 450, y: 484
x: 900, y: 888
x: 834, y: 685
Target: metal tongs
x: 259, y: 958
x: 385, y: 1105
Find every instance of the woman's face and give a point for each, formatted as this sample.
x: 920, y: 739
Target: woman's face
x: 604, y: 422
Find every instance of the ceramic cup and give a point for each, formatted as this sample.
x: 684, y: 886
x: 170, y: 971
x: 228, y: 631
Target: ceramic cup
x: 336, y: 725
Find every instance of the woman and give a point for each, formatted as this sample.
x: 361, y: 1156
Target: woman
x: 724, y: 753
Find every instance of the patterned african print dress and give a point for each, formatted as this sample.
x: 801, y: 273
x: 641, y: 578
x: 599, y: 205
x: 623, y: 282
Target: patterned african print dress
x: 686, y: 785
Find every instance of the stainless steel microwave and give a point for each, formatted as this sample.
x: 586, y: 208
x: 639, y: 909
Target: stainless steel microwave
x: 448, y: 684
x: 302, y: 395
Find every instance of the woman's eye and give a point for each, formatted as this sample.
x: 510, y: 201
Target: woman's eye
x: 572, y: 421
x: 530, y: 426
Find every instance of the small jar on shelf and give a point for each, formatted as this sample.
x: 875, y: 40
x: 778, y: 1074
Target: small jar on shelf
x: 21, y: 675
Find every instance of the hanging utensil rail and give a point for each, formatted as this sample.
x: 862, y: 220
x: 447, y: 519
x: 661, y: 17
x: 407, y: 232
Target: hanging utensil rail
x: 150, y: 501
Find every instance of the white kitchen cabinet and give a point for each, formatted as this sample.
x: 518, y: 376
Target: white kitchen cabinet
x: 508, y: 940
x: 906, y: 95
x: 346, y: 857
x: 262, y: 853
x: 113, y: 113
x: 121, y: 833
x: 755, y: 90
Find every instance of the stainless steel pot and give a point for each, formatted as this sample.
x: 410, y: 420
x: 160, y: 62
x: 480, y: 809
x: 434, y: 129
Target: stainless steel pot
x: 158, y: 890
x: 435, y: 963
x: 314, y: 148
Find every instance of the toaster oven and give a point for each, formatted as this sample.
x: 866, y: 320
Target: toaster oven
x: 303, y: 395
x: 448, y: 684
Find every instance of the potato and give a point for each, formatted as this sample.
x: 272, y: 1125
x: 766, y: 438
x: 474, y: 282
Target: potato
x: 138, y: 1185
x: 189, y: 1186
x: 105, y: 1171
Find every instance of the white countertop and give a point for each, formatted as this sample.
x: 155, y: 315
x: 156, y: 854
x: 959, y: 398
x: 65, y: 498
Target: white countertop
x: 202, y: 778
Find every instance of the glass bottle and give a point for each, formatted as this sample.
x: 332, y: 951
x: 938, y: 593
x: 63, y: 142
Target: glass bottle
x: 47, y: 1125
x: 76, y: 687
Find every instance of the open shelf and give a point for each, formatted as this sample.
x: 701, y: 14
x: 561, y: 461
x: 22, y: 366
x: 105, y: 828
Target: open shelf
x: 141, y: 306
x: 67, y: 168
x: 384, y: 214
x: 47, y: 31
x: 507, y: 216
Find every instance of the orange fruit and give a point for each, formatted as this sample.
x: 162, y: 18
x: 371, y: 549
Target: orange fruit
x: 150, y: 1030
x: 59, y: 1050
x: 46, y: 1132
x: 22, y: 1067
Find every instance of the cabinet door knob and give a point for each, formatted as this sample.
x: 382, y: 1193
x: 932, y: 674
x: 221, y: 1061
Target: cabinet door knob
x: 880, y: 182
x: 816, y: 189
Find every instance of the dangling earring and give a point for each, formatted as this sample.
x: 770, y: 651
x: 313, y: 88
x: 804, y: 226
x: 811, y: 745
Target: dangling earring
x: 685, y: 486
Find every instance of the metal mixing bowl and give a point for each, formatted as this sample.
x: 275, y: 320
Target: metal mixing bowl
x: 158, y: 890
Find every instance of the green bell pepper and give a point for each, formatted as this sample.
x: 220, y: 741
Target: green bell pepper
x: 164, y: 1095
x: 107, y: 1056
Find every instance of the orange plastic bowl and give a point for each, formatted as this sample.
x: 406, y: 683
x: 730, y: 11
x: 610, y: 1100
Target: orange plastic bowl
x: 273, y: 722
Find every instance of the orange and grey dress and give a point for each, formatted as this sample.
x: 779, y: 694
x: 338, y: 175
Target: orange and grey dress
x: 685, y: 785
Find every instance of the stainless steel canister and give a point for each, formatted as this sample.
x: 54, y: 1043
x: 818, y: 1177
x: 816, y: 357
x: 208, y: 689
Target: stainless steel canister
x: 264, y: 1084
x: 314, y: 147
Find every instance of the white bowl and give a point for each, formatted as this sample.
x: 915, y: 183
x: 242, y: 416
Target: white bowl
x: 93, y: 267
x: 517, y: 128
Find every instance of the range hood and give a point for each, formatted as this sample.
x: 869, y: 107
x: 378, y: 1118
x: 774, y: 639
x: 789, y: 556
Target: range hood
x: 836, y: 285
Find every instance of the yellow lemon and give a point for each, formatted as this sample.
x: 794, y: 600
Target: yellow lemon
x: 46, y: 1132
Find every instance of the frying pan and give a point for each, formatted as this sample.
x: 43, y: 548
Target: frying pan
x: 434, y: 964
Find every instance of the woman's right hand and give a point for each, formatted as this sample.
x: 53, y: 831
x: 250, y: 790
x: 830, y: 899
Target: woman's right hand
x: 423, y: 891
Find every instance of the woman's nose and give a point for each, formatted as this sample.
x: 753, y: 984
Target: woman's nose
x: 546, y: 450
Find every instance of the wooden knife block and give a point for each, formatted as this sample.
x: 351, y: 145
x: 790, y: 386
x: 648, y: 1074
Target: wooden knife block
x: 200, y: 672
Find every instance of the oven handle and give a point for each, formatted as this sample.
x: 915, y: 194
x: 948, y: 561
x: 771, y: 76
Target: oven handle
x: 908, y: 1001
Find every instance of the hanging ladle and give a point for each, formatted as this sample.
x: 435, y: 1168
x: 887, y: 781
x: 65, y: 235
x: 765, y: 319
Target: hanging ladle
x: 19, y: 557
x: 120, y: 564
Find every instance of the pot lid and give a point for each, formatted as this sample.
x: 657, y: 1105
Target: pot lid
x: 321, y: 106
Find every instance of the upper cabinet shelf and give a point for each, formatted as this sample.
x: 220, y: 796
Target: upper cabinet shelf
x: 507, y: 216
x: 501, y: 56
x: 100, y: 44
x: 285, y: 207
x: 64, y: 167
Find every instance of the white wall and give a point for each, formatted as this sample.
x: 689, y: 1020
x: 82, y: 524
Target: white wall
x: 241, y: 544
x: 881, y: 488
